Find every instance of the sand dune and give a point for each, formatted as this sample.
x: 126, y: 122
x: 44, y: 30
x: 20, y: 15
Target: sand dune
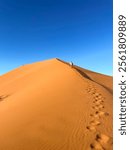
x: 51, y: 106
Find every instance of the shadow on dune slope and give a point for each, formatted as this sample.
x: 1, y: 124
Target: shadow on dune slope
x: 90, y: 75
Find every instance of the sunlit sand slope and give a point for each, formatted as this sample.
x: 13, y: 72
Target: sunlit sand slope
x: 50, y: 105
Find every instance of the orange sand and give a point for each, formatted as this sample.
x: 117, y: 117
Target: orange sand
x: 51, y: 106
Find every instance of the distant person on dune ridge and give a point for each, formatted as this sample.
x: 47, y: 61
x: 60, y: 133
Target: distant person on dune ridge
x: 71, y: 64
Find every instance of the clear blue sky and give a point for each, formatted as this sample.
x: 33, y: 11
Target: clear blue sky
x: 72, y: 30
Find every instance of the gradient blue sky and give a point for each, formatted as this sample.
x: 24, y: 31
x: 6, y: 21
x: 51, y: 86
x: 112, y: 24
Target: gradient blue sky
x: 72, y: 30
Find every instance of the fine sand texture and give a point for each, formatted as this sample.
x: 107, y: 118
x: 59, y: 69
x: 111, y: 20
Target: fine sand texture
x: 51, y: 105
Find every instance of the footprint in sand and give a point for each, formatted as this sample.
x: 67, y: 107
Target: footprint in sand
x: 99, y: 106
x: 91, y: 90
x: 94, y: 115
x: 101, y: 141
x: 88, y: 90
x: 95, y: 107
x: 96, y: 98
x: 91, y: 128
x: 2, y: 97
x: 95, y: 123
x: 102, y: 138
x: 96, y: 146
x: 101, y: 113
x: 94, y: 101
x: 97, y: 95
x: 98, y: 102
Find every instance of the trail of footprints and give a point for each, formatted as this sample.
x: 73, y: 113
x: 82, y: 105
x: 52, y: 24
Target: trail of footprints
x: 101, y: 140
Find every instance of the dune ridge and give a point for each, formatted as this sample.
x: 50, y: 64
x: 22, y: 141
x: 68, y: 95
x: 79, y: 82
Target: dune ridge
x: 50, y: 105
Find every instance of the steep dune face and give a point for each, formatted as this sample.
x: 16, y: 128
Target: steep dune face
x: 51, y: 106
x: 104, y: 80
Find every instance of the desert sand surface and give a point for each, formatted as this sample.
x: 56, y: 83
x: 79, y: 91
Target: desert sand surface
x: 50, y: 105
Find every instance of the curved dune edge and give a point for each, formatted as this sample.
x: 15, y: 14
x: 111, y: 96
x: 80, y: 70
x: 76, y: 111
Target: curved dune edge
x: 51, y: 105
